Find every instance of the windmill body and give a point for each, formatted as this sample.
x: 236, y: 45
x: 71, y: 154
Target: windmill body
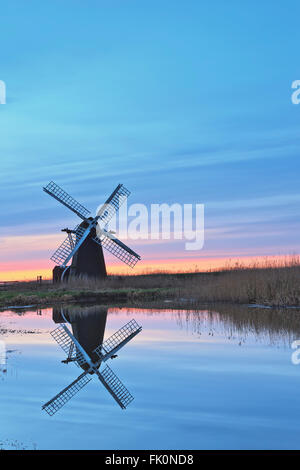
x: 81, y: 254
x: 87, y: 326
x: 88, y: 261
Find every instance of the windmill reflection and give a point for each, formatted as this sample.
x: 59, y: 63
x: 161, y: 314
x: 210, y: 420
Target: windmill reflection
x: 85, y: 347
x: 88, y: 327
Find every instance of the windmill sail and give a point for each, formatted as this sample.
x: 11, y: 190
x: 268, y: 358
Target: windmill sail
x: 118, y: 340
x: 70, y: 245
x: 84, y: 356
x: 62, y: 196
x: 75, y: 238
x: 113, y: 203
x: 68, y: 346
x: 57, y: 402
x: 115, y: 387
x: 117, y: 248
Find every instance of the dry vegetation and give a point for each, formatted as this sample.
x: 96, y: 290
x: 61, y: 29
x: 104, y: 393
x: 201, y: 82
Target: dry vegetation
x: 269, y: 283
x: 273, y: 283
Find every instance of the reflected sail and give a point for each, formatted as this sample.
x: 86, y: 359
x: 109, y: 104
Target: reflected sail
x: 80, y: 334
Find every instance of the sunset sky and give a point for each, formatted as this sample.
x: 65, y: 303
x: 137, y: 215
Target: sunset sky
x: 182, y: 102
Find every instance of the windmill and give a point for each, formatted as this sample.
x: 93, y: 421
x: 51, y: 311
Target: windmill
x: 83, y: 245
x: 92, y: 362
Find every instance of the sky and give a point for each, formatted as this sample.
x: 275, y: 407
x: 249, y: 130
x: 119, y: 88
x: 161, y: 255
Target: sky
x: 182, y: 102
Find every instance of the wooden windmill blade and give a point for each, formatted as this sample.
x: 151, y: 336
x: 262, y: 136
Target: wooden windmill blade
x: 117, y: 248
x: 115, y: 387
x: 113, y: 203
x: 75, y: 352
x: 69, y: 345
x: 57, y: 402
x: 116, y: 341
x: 70, y: 245
x: 79, y: 247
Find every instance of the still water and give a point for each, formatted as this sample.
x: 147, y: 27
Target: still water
x: 200, y: 380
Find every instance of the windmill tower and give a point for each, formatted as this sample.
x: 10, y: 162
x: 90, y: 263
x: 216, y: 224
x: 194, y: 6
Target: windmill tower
x: 84, y: 243
x: 88, y: 324
x: 79, y: 348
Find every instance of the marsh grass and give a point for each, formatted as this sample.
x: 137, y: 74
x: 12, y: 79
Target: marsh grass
x: 271, y: 282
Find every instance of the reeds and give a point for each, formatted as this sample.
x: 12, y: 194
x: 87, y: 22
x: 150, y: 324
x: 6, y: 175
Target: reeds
x: 273, y: 282
x: 269, y: 282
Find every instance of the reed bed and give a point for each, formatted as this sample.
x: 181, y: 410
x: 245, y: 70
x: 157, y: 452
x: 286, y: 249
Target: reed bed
x: 268, y: 282
x: 271, y: 282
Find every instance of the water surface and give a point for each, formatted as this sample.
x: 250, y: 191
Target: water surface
x: 201, y: 380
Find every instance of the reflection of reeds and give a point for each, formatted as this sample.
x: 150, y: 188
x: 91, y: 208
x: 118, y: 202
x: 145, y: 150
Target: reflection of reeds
x: 272, y: 326
x: 235, y: 323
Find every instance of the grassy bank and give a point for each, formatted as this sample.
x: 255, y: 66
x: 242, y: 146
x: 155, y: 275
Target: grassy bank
x: 271, y: 283
x: 30, y: 295
x: 274, y: 283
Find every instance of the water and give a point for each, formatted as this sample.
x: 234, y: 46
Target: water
x: 201, y: 380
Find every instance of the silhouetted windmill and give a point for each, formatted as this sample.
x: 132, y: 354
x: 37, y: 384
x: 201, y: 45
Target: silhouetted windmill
x: 84, y: 243
x: 92, y: 362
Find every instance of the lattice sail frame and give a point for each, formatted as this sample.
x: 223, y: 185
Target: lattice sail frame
x: 116, y: 247
x: 113, y: 204
x: 68, y: 345
x: 118, y: 340
x: 57, y: 402
x: 71, y: 244
x: 68, y: 247
x: 62, y: 196
x: 115, y: 387
x: 107, y: 377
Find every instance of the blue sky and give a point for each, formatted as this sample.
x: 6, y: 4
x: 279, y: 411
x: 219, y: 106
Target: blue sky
x: 181, y: 101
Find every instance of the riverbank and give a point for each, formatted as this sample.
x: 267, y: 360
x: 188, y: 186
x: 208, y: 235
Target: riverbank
x: 272, y: 284
x: 67, y: 295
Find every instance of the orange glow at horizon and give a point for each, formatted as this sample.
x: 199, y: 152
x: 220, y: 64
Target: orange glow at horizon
x: 25, y: 271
